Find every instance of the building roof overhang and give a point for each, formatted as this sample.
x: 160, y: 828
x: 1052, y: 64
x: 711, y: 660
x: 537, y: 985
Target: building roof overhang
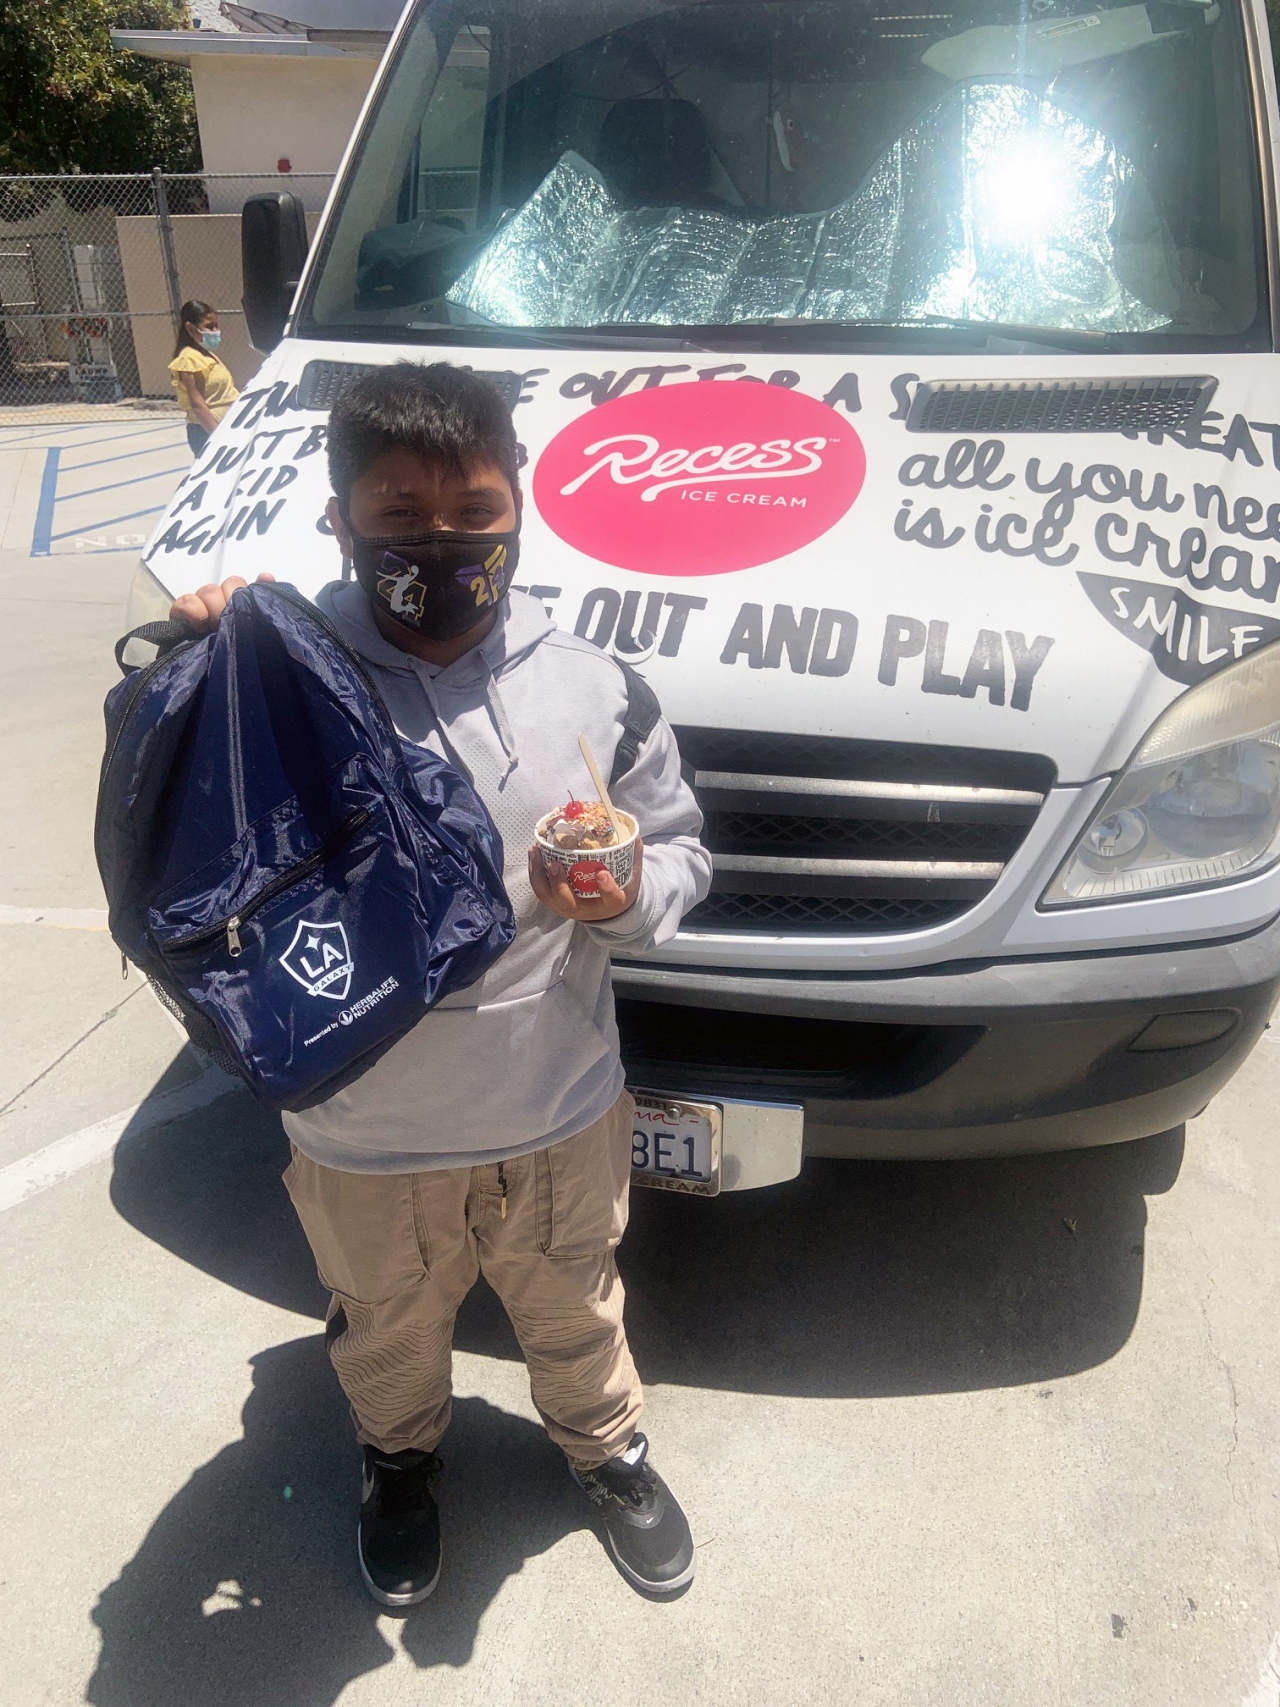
x: 180, y: 47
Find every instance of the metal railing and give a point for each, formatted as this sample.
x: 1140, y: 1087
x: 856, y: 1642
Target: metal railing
x: 94, y: 269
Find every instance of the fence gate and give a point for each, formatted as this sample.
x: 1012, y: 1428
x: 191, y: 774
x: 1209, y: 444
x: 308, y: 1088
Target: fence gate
x: 93, y: 271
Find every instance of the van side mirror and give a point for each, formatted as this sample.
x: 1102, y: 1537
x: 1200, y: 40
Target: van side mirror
x: 273, y: 249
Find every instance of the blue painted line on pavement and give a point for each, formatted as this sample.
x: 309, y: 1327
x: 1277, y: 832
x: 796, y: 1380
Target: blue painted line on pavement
x: 124, y: 456
x: 112, y: 521
x: 101, y: 551
x: 113, y: 486
x: 41, y: 534
x: 112, y: 439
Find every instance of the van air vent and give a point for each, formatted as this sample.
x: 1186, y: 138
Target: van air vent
x: 322, y: 381
x: 1128, y: 405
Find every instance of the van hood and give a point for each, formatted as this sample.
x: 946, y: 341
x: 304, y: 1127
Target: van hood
x: 775, y: 546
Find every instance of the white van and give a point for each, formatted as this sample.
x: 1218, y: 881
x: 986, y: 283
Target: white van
x: 898, y: 392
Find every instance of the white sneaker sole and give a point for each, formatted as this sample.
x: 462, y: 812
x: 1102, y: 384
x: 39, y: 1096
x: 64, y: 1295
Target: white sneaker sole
x: 637, y: 1581
x: 381, y: 1595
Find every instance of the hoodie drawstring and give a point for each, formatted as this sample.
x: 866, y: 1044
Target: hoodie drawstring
x: 501, y: 724
x: 497, y: 711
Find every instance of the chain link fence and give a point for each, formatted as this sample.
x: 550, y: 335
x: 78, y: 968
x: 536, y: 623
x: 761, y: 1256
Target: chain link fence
x: 94, y: 270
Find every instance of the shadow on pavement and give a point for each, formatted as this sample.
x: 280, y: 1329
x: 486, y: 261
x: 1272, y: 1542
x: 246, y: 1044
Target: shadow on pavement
x: 241, y: 1597
x: 858, y: 1279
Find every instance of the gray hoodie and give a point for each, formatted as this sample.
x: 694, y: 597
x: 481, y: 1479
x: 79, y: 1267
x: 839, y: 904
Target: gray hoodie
x: 529, y: 1054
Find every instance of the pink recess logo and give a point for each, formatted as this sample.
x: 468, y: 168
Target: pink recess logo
x: 700, y: 478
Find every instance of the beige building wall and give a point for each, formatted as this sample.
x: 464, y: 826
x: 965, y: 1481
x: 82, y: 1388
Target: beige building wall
x: 255, y: 111
x: 206, y: 247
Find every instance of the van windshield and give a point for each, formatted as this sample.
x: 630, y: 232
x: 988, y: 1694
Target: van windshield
x: 803, y: 171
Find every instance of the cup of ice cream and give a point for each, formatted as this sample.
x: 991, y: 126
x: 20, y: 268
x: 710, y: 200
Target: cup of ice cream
x: 577, y: 841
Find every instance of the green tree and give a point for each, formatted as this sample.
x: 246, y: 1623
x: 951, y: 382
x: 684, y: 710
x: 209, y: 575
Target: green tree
x: 70, y: 102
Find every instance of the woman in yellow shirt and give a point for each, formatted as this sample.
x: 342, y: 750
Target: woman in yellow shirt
x: 204, y: 386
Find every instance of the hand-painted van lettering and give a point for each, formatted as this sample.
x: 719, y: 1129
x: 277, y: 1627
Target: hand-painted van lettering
x: 604, y: 387
x: 1104, y: 483
x: 284, y: 475
x: 844, y: 394
x: 266, y: 401
x: 926, y: 529
x: 1242, y: 517
x: 900, y: 386
x: 997, y: 536
x: 1207, y: 435
x: 607, y: 619
x: 966, y: 464
x: 1227, y: 567
x: 908, y: 637
x: 1188, y: 641
x: 814, y: 642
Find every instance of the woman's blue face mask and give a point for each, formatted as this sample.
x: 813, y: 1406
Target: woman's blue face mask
x: 210, y: 338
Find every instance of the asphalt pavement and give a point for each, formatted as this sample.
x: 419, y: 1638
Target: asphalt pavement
x: 949, y: 1435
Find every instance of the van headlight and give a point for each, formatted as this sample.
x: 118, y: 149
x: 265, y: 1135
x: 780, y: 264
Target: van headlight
x: 1199, y: 802
x: 148, y: 600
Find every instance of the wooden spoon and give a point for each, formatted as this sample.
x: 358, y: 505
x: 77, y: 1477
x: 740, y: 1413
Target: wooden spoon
x: 602, y: 793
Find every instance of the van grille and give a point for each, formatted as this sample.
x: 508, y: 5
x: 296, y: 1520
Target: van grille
x: 810, y: 834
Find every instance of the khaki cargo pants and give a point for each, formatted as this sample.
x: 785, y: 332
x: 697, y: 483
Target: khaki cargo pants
x: 400, y: 1252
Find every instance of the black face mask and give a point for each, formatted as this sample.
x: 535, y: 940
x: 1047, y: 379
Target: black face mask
x: 438, y: 584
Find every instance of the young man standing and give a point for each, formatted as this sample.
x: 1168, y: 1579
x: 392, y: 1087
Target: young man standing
x: 495, y: 1137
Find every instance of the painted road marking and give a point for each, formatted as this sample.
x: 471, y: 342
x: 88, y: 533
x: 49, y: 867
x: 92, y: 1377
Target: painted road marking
x: 56, y: 515
x: 58, y: 918
x: 67, y: 1156
x: 115, y: 485
x: 43, y: 529
x: 1267, y: 1691
x: 113, y: 521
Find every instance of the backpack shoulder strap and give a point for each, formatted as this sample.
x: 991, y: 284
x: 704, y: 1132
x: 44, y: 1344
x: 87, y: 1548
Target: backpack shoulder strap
x: 643, y: 714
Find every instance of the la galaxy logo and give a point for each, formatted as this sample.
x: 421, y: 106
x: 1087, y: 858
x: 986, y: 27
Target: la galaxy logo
x: 319, y: 958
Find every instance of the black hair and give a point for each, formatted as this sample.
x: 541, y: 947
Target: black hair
x: 192, y: 314
x: 442, y: 413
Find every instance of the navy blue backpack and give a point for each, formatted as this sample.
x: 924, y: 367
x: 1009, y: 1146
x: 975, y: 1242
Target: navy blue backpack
x: 300, y: 885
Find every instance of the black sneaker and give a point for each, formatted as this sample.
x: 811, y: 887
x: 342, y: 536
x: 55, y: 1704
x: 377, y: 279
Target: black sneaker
x: 648, y: 1533
x: 399, y: 1536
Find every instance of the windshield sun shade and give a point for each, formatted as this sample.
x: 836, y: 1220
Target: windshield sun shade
x: 998, y: 206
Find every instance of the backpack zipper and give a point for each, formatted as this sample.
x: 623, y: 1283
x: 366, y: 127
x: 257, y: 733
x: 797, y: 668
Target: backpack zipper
x: 230, y: 928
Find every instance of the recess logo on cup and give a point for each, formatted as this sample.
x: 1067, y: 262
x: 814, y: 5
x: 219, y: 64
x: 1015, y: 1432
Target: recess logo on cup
x: 700, y: 478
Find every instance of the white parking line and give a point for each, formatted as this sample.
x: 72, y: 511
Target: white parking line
x: 58, y: 1161
x: 1267, y: 1691
x: 59, y: 918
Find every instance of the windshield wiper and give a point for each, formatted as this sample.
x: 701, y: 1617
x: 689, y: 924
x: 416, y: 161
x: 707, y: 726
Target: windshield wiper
x: 992, y: 334
x: 1000, y: 337
x: 569, y: 337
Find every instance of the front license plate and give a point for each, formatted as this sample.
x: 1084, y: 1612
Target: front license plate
x: 675, y: 1144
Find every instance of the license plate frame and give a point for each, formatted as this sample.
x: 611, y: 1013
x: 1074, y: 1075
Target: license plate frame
x: 672, y: 1129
